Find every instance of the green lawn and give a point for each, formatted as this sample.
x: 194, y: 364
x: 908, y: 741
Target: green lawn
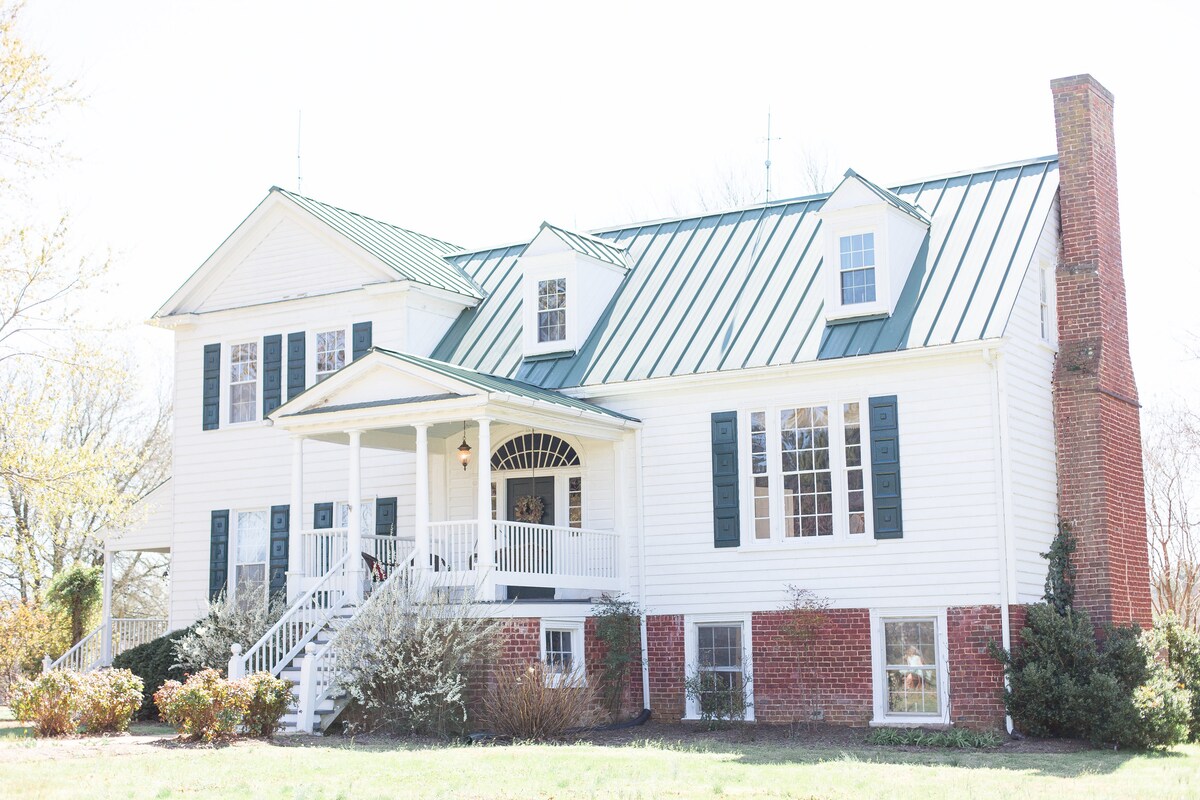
x: 124, y: 767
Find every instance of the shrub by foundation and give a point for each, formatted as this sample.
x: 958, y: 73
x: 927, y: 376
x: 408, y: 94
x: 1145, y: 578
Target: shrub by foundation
x: 153, y: 662
x: 269, y: 698
x: 108, y: 699
x: 534, y: 703
x: 48, y: 701
x: 205, y: 707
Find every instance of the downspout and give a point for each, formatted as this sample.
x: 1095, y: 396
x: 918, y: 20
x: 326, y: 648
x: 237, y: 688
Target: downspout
x: 994, y: 357
x: 641, y: 545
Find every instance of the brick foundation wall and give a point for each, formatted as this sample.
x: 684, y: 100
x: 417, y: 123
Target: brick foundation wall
x: 594, y: 652
x: 665, y: 653
x: 976, y: 678
x: 1097, y: 423
x: 828, y: 679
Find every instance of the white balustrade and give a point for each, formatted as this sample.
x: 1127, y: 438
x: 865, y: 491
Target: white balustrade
x: 453, y: 546
x: 556, y: 551
x: 128, y: 633
x: 390, y: 553
x: 125, y: 632
x: 320, y: 549
x: 301, y: 622
x: 85, y: 656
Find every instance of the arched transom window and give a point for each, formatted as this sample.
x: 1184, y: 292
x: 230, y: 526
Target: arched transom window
x: 535, y: 451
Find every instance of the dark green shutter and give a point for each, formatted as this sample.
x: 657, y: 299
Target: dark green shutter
x: 885, y: 467
x: 280, y: 529
x: 361, y: 337
x: 218, y: 553
x: 272, y: 373
x: 385, y: 516
x: 295, y: 362
x: 212, y: 386
x: 323, y: 515
x: 725, y: 479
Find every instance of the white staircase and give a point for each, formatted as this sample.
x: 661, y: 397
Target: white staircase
x: 325, y: 702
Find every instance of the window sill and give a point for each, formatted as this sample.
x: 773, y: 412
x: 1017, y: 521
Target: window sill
x: 799, y: 543
x: 533, y: 358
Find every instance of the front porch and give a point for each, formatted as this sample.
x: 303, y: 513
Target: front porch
x: 512, y: 521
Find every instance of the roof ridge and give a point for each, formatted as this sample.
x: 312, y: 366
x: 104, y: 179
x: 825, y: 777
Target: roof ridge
x: 368, y: 218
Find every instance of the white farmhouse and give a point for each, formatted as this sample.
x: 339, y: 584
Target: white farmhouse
x: 887, y: 396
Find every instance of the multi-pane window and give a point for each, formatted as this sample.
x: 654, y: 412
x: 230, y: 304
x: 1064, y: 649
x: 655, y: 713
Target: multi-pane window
x: 552, y: 310
x: 761, y: 477
x: 495, y: 500
x: 560, y: 655
x: 807, y: 477
x: 805, y: 472
x: 911, y: 666
x: 243, y: 382
x: 722, y: 684
x: 366, y: 516
x: 856, y: 513
x: 575, y: 502
x: 331, y: 353
x: 857, y: 268
x: 250, y: 554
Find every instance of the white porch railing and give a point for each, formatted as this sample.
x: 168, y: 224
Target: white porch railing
x: 453, y: 546
x: 320, y: 549
x: 297, y: 626
x: 123, y: 633
x: 557, y: 551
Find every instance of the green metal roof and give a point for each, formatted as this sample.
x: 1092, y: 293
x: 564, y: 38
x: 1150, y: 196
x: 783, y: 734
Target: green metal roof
x: 889, y: 197
x: 741, y: 289
x: 493, y: 383
x: 415, y: 256
x: 590, y: 246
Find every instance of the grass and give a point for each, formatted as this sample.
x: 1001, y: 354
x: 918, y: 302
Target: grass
x: 917, y: 737
x: 335, y: 768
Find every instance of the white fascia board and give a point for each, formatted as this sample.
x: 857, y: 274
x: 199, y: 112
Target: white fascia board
x: 382, y: 417
x: 923, y: 355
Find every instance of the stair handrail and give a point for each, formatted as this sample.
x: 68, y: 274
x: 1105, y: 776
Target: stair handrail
x: 288, y: 636
x: 73, y: 658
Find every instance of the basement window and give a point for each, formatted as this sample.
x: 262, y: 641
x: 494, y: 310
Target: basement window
x: 910, y: 669
x: 562, y: 652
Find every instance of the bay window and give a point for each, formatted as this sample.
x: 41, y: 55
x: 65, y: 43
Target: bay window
x: 806, y: 473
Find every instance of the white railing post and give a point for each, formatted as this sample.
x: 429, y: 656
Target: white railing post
x: 46, y: 662
x: 354, y: 535
x: 305, y: 704
x: 295, y: 575
x: 106, y: 637
x: 422, y: 496
x: 237, y: 666
x: 486, y: 532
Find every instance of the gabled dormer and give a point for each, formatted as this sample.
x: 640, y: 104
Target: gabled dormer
x: 567, y: 280
x: 872, y: 238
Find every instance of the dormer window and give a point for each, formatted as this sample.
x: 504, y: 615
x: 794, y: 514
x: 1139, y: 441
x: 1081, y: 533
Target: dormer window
x: 552, y: 310
x: 857, y: 268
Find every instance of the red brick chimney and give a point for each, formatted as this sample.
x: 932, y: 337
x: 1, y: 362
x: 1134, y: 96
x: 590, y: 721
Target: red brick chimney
x: 1096, y: 409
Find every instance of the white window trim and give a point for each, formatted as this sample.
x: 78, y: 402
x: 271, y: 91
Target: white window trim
x: 1047, y: 281
x: 226, y: 383
x: 235, y: 532
x: 561, y: 475
x: 875, y: 223
x: 310, y: 359
x: 337, y: 513
x: 556, y: 268
x: 691, y: 649
x: 578, y: 674
x: 837, y: 461
x: 874, y: 267
x: 881, y: 717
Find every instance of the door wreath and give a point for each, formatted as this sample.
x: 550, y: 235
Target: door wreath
x: 529, y: 508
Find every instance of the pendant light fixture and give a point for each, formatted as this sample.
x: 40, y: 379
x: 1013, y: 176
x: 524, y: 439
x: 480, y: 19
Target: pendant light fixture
x: 464, y: 449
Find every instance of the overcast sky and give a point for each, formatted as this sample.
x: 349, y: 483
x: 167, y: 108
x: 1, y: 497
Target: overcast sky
x: 475, y: 122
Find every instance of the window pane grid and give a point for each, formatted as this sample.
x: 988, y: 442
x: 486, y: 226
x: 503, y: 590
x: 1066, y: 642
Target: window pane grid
x: 807, y: 477
x: 559, y: 654
x: 857, y: 267
x: 575, y: 502
x: 243, y: 382
x: 910, y: 662
x: 856, y: 514
x: 719, y: 664
x: 331, y: 353
x: 762, y: 481
x: 552, y: 310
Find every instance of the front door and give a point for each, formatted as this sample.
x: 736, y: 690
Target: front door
x: 543, y: 489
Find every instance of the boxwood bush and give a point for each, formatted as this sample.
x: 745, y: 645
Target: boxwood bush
x: 155, y: 663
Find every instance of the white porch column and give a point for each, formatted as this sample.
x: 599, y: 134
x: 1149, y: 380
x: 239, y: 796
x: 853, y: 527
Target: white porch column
x: 487, y: 533
x: 296, y: 521
x: 354, y: 534
x: 106, y: 654
x: 422, y: 496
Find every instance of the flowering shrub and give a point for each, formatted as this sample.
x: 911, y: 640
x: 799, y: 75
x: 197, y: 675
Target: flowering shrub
x: 244, y: 621
x: 205, y: 707
x: 108, y: 700
x: 49, y: 702
x: 269, y: 698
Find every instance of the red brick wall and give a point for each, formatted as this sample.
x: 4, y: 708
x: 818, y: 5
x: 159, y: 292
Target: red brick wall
x: 829, y: 679
x: 594, y: 651
x: 976, y: 678
x: 1097, y: 421
x: 665, y: 653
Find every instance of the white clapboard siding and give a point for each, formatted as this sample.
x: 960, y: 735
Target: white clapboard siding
x: 153, y: 517
x: 1029, y: 366
x: 949, y: 554
x: 290, y: 261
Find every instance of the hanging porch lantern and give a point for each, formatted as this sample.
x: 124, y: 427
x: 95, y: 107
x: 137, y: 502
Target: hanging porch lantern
x: 464, y: 449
